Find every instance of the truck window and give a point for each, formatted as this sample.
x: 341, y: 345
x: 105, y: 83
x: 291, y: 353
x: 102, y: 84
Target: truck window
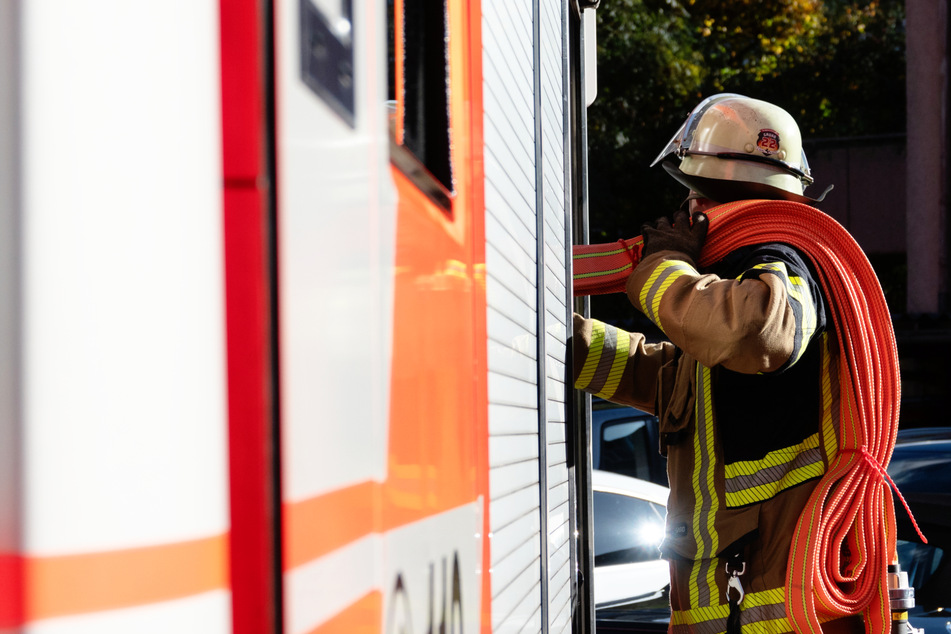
x: 419, y: 95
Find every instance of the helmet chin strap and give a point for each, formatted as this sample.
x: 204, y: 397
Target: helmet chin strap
x: 685, y: 205
x: 724, y: 191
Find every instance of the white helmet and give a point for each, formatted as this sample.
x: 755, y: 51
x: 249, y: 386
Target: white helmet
x: 733, y: 147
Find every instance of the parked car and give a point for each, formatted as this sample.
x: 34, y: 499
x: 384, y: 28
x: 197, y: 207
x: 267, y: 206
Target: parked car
x: 921, y: 469
x: 631, y: 581
x: 625, y: 441
x: 629, y: 519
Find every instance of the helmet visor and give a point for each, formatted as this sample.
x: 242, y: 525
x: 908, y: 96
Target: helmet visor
x: 679, y: 144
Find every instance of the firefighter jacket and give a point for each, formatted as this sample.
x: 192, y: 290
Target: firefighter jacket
x: 746, y: 392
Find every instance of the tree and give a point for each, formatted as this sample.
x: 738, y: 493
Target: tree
x: 823, y: 61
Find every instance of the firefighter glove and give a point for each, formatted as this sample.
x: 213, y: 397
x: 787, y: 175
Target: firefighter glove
x: 686, y: 235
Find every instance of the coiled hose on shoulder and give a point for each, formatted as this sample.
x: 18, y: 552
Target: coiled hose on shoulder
x: 845, y: 537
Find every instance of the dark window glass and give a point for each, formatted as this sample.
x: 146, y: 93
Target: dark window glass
x: 426, y: 86
x: 923, y: 563
x: 422, y: 151
x: 624, y: 448
x: 626, y: 529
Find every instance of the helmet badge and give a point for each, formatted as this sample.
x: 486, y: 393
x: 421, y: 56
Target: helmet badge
x: 768, y: 141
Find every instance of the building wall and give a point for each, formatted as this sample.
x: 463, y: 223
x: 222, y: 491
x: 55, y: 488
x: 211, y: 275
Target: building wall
x: 868, y: 199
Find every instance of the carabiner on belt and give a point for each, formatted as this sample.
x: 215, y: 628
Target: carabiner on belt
x: 734, y: 582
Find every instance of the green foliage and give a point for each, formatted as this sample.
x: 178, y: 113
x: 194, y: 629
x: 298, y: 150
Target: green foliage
x: 838, y: 66
x: 648, y: 70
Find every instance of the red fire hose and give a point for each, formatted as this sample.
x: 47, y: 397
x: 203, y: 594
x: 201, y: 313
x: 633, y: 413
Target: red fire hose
x: 845, y: 537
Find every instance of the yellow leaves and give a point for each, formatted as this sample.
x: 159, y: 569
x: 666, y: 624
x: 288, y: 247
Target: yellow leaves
x: 771, y: 45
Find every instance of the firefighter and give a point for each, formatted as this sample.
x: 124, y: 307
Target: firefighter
x: 746, y: 387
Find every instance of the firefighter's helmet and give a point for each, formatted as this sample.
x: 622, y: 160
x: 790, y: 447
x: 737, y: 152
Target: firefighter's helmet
x: 733, y: 147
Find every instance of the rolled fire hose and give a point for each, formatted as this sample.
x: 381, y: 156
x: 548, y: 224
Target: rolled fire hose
x: 845, y: 537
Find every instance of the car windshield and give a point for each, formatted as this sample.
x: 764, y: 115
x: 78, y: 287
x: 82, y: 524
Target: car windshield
x: 628, y: 529
x: 920, y: 561
x: 624, y: 448
x: 919, y: 469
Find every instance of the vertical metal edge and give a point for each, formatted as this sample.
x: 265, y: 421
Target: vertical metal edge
x: 944, y: 283
x: 541, y: 353
x: 584, y: 618
x: 568, y: 109
x: 12, y: 604
x: 269, y: 45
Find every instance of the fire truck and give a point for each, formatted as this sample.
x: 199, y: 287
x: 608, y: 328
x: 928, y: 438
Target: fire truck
x: 284, y: 294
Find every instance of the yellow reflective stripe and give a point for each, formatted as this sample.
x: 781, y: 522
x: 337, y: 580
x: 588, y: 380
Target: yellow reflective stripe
x: 695, y: 581
x: 645, y: 290
x: 767, y: 597
x: 692, y: 616
x: 798, y: 290
x: 705, y: 495
x: 789, y: 466
x: 774, y: 598
x: 703, y: 582
x: 706, y: 393
x: 617, y: 367
x: 607, y: 358
x: 775, y: 458
x: 698, y: 499
x: 775, y: 267
x: 594, y: 356
x: 771, y: 626
x: 706, y: 398
x: 769, y: 490
x: 659, y: 294
x: 695, y: 616
x: 650, y: 297
x: 785, y: 478
x: 828, y: 422
x: 775, y: 626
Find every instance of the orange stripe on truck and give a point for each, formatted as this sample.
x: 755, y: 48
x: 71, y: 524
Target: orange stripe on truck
x: 93, y: 582
x: 363, y: 617
x: 322, y: 524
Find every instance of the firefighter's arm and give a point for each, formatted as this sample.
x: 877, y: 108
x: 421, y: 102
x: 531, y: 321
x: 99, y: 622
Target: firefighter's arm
x: 754, y: 324
x: 616, y: 365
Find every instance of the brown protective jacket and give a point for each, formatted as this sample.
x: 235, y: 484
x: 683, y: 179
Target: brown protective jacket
x: 747, y: 396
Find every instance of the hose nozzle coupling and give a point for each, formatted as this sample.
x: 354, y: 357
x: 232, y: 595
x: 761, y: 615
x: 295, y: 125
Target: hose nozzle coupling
x: 901, y: 598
